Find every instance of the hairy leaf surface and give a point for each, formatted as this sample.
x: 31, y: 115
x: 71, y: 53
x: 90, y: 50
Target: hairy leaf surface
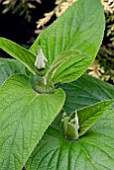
x: 20, y: 53
x: 81, y: 27
x: 24, y: 117
x: 88, y: 116
x: 86, y: 91
x: 68, y: 66
x: 8, y: 67
x: 94, y: 151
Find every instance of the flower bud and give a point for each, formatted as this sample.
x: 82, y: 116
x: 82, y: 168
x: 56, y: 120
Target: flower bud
x: 40, y: 60
x: 71, y: 126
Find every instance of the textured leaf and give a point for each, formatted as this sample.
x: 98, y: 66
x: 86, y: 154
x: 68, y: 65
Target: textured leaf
x: 87, y: 117
x: 80, y: 27
x: 86, y: 91
x: 90, y: 115
x: 23, y: 55
x: 94, y: 151
x: 9, y: 67
x: 24, y: 117
x: 68, y: 66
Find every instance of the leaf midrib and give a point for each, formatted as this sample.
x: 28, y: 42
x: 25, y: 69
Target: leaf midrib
x: 87, y: 155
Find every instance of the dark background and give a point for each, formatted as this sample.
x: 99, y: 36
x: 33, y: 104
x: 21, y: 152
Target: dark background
x: 17, y: 28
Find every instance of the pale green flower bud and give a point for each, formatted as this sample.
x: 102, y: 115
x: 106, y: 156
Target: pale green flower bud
x: 71, y: 126
x: 41, y: 60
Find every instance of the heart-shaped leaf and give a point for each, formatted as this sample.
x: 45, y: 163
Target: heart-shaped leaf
x: 80, y: 27
x: 24, y: 117
x: 86, y: 91
x: 94, y: 151
x: 23, y: 55
x: 68, y: 66
x: 8, y: 67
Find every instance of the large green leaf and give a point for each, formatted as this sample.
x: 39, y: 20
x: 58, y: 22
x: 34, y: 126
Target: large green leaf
x: 24, y: 117
x: 86, y: 91
x: 68, y: 66
x: 9, y: 67
x: 94, y: 151
x: 20, y: 53
x: 80, y: 27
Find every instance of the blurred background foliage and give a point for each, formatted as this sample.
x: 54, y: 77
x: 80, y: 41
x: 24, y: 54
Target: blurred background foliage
x: 35, y: 15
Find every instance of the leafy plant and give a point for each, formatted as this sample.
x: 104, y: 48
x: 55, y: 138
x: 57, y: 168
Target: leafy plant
x: 49, y: 117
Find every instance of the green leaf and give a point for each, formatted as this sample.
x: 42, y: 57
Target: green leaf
x: 90, y: 115
x: 23, y: 55
x: 81, y: 120
x: 94, y: 151
x: 8, y: 67
x: 86, y: 91
x: 81, y: 27
x: 24, y: 117
x: 68, y: 66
